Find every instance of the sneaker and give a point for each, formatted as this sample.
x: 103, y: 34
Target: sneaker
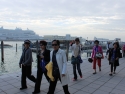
x: 80, y: 76
x: 74, y: 79
x: 22, y: 88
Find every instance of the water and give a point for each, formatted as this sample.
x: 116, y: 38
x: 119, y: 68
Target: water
x: 11, y: 58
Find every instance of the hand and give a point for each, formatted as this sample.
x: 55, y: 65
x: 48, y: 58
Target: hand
x: 63, y: 75
x: 23, y: 64
x: 20, y: 65
x: 117, y: 58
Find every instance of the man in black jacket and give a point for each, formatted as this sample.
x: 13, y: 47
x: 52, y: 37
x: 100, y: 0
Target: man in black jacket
x: 44, y: 57
x: 26, y: 65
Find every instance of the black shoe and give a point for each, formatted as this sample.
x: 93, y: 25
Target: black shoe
x: 35, y: 92
x: 110, y: 74
x: 94, y: 73
x: 22, y: 88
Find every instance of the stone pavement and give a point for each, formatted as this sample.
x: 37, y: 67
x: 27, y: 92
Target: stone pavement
x: 101, y: 83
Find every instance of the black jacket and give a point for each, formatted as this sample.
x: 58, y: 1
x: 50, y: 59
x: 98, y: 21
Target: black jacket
x: 46, y: 55
x: 117, y: 54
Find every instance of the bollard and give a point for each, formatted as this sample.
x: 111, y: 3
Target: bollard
x: 2, y: 51
x: 16, y: 47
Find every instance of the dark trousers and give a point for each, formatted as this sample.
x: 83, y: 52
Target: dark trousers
x: 53, y: 86
x: 113, y: 66
x: 39, y: 78
x: 107, y: 52
x: 26, y: 72
x: 74, y: 70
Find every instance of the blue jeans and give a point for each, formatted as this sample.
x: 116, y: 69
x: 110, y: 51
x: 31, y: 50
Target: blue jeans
x: 74, y: 70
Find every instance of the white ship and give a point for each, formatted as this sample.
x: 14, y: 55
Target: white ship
x: 18, y: 34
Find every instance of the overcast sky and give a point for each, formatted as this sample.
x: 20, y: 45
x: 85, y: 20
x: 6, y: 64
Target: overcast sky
x: 86, y: 18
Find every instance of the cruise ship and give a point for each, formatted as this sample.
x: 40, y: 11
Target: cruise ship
x: 18, y: 34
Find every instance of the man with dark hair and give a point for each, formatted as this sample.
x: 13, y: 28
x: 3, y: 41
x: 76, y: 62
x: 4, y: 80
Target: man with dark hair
x: 26, y: 64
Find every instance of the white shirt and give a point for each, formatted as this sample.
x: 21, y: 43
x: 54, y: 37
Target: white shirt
x: 76, y: 50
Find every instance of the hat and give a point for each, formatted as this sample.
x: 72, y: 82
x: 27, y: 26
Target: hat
x: 26, y: 42
x: 90, y: 60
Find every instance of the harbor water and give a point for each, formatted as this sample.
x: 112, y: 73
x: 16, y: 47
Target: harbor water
x: 11, y: 57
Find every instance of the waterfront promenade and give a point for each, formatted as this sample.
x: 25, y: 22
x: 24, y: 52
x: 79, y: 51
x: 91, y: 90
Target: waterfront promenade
x: 101, y: 83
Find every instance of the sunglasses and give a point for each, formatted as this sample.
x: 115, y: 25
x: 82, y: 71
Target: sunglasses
x: 41, y: 45
x: 54, y: 44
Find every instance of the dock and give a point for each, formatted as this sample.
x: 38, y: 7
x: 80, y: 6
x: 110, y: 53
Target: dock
x: 101, y: 83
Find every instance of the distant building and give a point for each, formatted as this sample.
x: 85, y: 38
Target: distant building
x: 67, y: 37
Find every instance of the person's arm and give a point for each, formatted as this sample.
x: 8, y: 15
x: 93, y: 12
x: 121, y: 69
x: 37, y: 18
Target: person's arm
x: 29, y: 57
x: 64, y: 69
x: 21, y: 59
x: 118, y: 56
x: 92, y: 53
x: 102, y: 52
x: 47, y: 56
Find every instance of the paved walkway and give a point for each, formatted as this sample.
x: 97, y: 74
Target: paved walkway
x: 101, y: 83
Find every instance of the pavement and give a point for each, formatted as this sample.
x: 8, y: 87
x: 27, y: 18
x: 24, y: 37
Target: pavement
x: 101, y: 83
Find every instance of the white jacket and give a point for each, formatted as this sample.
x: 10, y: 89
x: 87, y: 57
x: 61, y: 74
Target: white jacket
x: 62, y: 64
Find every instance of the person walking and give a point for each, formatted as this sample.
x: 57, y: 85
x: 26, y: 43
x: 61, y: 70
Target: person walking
x: 44, y: 57
x: 113, y: 58
x: 26, y: 65
x: 60, y: 72
x: 97, y: 55
x: 76, y: 52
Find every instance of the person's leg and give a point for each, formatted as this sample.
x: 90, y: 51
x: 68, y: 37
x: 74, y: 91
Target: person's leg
x: 38, y: 80
x: 65, y: 88
x: 111, y: 69
x: 47, y: 78
x: 28, y: 74
x: 79, y: 69
x: 23, y: 78
x: 52, y: 86
x: 99, y: 64
x: 114, y: 68
x: 94, y: 65
x: 74, y: 71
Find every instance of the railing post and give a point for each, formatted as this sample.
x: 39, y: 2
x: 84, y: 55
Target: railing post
x: 2, y: 51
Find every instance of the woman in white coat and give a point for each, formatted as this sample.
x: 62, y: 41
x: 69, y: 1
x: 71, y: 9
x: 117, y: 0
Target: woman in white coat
x: 58, y: 57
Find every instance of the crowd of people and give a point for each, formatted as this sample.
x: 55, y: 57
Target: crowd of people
x: 53, y: 64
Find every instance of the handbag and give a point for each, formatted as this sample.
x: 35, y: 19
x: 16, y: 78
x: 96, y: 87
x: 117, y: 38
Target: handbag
x: 80, y: 59
x: 98, y: 55
x: 74, y: 60
x: 42, y: 65
x: 90, y: 60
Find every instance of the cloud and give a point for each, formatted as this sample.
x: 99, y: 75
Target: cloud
x: 76, y: 17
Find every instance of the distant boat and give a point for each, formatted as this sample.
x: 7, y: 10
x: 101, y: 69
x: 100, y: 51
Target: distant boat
x: 18, y: 34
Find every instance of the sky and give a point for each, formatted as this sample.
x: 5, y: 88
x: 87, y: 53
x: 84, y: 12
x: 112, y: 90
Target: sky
x: 85, y: 18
